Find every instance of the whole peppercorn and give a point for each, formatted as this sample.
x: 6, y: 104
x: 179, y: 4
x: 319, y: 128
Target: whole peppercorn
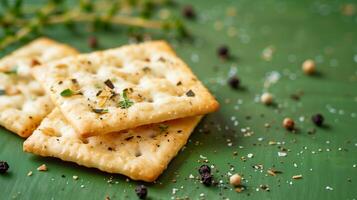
x: 235, y: 180
x: 223, y: 52
x: 188, y: 12
x: 309, y: 66
x: 3, y: 167
x: 266, y: 98
x: 318, y: 119
x: 234, y: 82
x: 92, y: 42
x: 204, y: 169
x: 141, y: 191
x: 206, y: 179
x: 289, y: 124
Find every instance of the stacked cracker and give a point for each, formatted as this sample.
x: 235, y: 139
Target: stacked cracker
x: 127, y: 110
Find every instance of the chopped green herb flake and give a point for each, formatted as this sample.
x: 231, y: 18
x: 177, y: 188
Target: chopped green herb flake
x: 190, y: 93
x: 163, y: 127
x: 126, y: 102
x: 67, y: 93
x: 2, y: 92
x: 100, y: 110
x: 109, y: 84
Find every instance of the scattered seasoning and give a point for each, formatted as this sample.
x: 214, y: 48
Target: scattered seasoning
x: 235, y: 180
x: 100, y: 110
x: 273, y: 172
x: 289, y: 124
x: 109, y: 84
x: 163, y: 127
x: 3, y: 167
x: 13, y: 71
x: 266, y: 98
x: 206, y: 179
x: 42, y: 168
x: 329, y: 188
x: 204, y: 169
x: 2, y: 92
x: 188, y: 12
x: 223, y: 52
x: 141, y: 191
x: 35, y: 62
x: 67, y: 93
x: 318, y: 119
x: 282, y: 154
x: 129, y: 138
x: 126, y: 102
x: 309, y: 67
x: 265, y: 187
x: 93, y: 42
x: 250, y: 155
x: 297, y: 176
x: 234, y: 82
x: 190, y: 93
x: 98, y: 93
x: 29, y: 173
x: 239, y: 189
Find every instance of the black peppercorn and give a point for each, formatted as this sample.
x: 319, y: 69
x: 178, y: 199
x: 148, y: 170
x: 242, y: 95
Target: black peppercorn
x: 204, y: 169
x: 3, y: 167
x: 141, y: 191
x: 234, y: 82
x: 188, y: 12
x: 318, y: 119
x: 223, y: 52
x: 206, y: 179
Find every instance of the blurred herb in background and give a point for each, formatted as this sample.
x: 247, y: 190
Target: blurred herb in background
x: 20, y: 22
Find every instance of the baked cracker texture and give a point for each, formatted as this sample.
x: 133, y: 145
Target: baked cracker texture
x: 123, y: 88
x: 23, y: 102
x: 142, y: 153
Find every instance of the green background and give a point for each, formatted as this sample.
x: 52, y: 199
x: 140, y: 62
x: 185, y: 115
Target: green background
x: 296, y: 30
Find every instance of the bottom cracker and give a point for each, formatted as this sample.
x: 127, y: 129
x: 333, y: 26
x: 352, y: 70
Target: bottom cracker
x: 142, y: 153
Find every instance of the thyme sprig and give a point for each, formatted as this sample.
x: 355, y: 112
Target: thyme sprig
x: 19, y: 21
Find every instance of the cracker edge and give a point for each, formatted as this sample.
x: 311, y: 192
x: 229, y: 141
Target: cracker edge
x: 148, y: 175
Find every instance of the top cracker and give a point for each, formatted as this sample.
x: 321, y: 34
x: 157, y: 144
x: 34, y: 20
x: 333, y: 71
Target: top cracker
x: 23, y: 102
x: 123, y: 88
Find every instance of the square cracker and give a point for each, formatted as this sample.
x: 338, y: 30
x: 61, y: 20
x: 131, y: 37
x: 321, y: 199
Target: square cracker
x: 160, y: 85
x: 142, y: 153
x: 23, y: 102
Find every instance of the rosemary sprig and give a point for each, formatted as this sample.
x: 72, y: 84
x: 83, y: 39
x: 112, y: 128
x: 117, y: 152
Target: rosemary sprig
x: 19, y: 21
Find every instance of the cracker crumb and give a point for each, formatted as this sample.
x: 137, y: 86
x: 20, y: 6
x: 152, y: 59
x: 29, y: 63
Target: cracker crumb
x: 239, y: 189
x: 297, y: 176
x: 42, y: 168
x: 29, y: 173
x: 75, y: 177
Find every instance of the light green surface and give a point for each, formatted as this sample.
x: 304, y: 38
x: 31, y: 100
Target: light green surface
x: 297, y: 30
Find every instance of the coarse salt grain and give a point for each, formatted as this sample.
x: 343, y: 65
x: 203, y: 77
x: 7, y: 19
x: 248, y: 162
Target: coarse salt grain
x: 282, y: 154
